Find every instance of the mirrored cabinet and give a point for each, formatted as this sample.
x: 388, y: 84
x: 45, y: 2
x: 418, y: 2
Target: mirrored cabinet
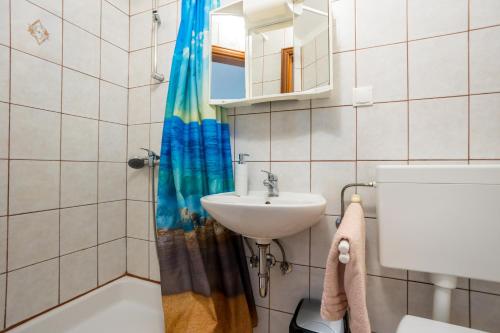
x: 269, y: 50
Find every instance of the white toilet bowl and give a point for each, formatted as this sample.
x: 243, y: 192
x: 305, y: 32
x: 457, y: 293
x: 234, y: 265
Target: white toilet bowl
x: 412, y: 324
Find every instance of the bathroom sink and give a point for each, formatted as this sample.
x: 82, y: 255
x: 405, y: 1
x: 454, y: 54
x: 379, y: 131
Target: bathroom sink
x: 265, y: 218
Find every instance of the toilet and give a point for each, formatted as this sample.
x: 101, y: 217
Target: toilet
x: 440, y: 219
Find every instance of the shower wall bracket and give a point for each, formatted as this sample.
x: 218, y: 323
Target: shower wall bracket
x: 156, y: 23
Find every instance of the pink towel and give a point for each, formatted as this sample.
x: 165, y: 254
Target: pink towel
x: 345, y: 285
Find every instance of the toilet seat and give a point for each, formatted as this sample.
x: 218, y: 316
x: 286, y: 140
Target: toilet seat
x: 412, y: 324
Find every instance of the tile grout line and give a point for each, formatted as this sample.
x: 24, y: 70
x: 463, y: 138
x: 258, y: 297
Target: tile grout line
x: 4, y: 314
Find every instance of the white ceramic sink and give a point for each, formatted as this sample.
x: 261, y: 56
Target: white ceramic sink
x: 262, y: 218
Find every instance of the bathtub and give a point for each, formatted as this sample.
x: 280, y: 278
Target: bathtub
x: 122, y: 306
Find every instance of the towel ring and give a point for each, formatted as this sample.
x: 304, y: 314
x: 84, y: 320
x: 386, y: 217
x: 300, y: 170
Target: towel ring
x: 342, y: 203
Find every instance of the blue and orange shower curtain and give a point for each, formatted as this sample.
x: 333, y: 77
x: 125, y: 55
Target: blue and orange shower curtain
x: 204, y: 275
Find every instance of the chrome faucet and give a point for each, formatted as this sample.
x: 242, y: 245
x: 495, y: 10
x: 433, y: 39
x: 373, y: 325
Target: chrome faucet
x: 272, y: 184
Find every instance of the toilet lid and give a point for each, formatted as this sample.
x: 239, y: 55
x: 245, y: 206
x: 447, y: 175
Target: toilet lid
x: 412, y: 324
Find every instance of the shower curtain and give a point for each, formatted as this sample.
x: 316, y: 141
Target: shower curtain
x: 204, y: 275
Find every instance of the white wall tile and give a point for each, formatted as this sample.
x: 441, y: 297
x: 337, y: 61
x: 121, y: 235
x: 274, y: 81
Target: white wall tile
x: 252, y: 136
x: 432, y: 18
x: 3, y: 280
x: 78, y: 228
x: 53, y: 6
x: 343, y: 81
x: 78, y: 273
x: 321, y: 240
x: 485, y: 126
x: 80, y: 94
x: 288, y: 290
x: 113, y: 103
x: 167, y: 31
x: 317, y: 280
x: 293, y: 176
x: 23, y: 14
x: 112, y: 142
x: 165, y: 53
x: 296, y: 248
x: 123, y: 5
x: 81, y: 50
x: 140, y: 68
x: 85, y: 14
x: 139, y: 101
x: 155, y: 136
x: 138, y: 138
x: 114, y: 64
x: 4, y: 177
x: 438, y: 66
x: 140, y: 31
x: 34, y: 134
x: 137, y: 257
x: 24, y: 177
x: 290, y: 135
x: 263, y: 323
x: 42, y: 90
x: 328, y: 178
x: 380, y: 22
x: 138, y: 6
x: 112, y: 181
x: 272, y: 67
x: 79, y: 139
x: 111, y: 260
x: 290, y: 105
x: 439, y: 128
x: 384, y: 68
x: 386, y: 302
x: 420, y: 300
x: 33, y: 238
x: 344, y: 13
x: 114, y: 26
x: 31, y: 290
x: 271, y: 87
x: 333, y: 134
x: 5, y: 25
x: 112, y: 221
x: 484, y: 13
x: 279, y: 322
x: 382, y: 132
x: 137, y: 219
x: 484, y: 314
x: 484, y: 64
x: 137, y: 184
x: 4, y: 130
x: 154, y: 265
x: 158, y: 101
x: 4, y: 73
x: 3, y: 245
x: 485, y: 286
x: 78, y: 183
x: 254, y: 108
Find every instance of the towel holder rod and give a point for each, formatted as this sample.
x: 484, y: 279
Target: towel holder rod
x: 342, y: 203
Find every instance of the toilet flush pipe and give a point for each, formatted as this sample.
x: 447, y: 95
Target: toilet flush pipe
x: 443, y: 287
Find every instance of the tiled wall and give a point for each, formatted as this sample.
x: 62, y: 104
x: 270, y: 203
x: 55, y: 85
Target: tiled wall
x: 435, y: 71
x: 147, y: 100
x: 63, y: 137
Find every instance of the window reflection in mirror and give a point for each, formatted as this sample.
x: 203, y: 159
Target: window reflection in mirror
x: 228, y: 57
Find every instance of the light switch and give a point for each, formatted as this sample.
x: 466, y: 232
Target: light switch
x: 362, y: 96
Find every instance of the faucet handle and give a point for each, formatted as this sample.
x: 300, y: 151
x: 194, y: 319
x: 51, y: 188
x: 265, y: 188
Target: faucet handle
x: 270, y: 176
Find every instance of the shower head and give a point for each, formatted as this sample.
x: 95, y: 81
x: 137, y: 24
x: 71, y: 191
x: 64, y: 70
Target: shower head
x: 137, y: 162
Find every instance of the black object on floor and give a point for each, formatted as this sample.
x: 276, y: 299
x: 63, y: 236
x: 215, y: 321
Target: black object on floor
x: 307, y: 319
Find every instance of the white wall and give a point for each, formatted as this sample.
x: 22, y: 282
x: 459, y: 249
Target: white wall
x: 63, y: 137
x: 435, y: 70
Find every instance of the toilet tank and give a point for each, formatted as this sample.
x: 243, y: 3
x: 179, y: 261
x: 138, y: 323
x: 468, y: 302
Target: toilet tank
x: 440, y: 219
